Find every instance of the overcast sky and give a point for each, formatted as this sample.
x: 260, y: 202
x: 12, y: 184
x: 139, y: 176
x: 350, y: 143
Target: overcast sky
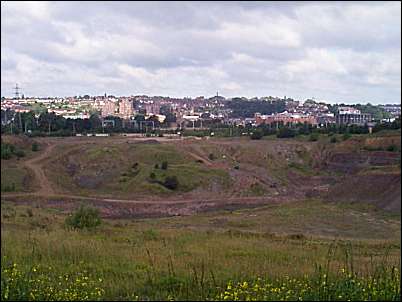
x: 337, y: 52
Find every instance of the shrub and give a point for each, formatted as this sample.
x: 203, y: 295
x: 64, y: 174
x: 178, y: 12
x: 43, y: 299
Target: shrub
x: 286, y: 133
x: 35, y: 147
x: 313, y: 137
x: 346, y: 136
x: 211, y: 156
x: 171, y: 182
x: 29, y: 212
x: 84, y: 217
x: 333, y: 139
x: 152, y: 176
x: 156, y: 166
x: 257, y: 134
x: 7, y: 150
x: 19, y: 153
x: 392, y: 148
x: 8, y: 188
x: 164, y: 165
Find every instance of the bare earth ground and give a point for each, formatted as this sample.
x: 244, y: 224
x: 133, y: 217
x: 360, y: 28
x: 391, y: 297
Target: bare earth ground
x: 298, y: 187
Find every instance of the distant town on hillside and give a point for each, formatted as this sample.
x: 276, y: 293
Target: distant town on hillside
x: 108, y: 113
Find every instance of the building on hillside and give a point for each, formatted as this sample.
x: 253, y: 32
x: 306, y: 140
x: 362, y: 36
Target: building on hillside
x: 109, y: 108
x: 351, y: 116
x: 151, y: 108
x: 285, y: 118
x: 126, y: 109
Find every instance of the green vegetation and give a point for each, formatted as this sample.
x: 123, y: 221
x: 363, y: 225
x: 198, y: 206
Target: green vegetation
x: 9, y: 150
x: 286, y: 132
x: 240, y: 108
x: 257, y: 134
x: 160, y: 259
x: 35, y: 147
x: 313, y: 137
x: 392, y: 148
x: 346, y: 136
x: 14, y: 179
x: 84, y: 218
x: 110, y: 170
x: 384, y: 285
x: 42, y: 283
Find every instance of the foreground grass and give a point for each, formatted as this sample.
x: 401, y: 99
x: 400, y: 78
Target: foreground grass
x: 205, y: 256
x: 43, y: 284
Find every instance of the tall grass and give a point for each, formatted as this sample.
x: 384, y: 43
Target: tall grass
x: 200, y: 282
x: 183, y: 259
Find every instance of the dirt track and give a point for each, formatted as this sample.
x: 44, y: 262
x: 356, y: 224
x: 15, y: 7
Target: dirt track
x: 33, y: 164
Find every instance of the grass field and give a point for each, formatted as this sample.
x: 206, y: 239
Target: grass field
x: 194, y: 257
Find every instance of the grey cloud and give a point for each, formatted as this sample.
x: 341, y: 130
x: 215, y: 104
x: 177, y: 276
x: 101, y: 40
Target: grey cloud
x: 337, y: 51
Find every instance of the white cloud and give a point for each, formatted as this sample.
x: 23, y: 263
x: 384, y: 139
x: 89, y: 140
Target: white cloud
x: 334, y: 51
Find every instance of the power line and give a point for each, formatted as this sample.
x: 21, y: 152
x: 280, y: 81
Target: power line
x: 17, y: 91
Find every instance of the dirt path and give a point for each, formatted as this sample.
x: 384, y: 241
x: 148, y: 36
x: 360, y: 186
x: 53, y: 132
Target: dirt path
x: 34, y: 164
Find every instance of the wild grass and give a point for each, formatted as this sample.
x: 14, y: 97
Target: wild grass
x: 191, y: 258
x: 15, y: 178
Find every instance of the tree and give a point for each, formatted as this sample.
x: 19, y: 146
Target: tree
x: 247, y: 108
x: 95, y: 122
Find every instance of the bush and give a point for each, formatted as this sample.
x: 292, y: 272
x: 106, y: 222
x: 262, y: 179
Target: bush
x: 333, y: 139
x: 171, y: 182
x: 19, y: 153
x: 286, y: 133
x: 392, y: 148
x: 35, y: 147
x: 152, y: 176
x: 8, y: 188
x: 257, y: 134
x: 156, y: 166
x: 164, y: 165
x: 346, y: 136
x: 84, y: 217
x: 313, y: 137
x: 211, y: 156
x: 7, y: 150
